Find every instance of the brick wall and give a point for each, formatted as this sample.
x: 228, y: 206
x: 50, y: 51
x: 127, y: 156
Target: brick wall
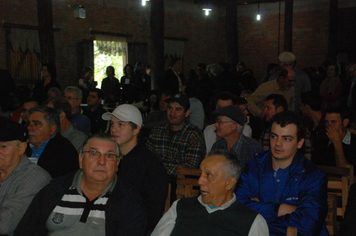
x: 258, y: 41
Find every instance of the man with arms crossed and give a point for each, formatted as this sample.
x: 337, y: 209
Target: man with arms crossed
x: 282, y: 185
x: 216, y: 211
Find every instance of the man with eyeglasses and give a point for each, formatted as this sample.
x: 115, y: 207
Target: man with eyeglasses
x: 229, y: 125
x: 302, y: 83
x: 139, y: 166
x: 90, y: 201
x: 74, y: 96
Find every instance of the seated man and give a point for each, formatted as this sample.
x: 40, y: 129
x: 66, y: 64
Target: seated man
x: 63, y: 108
x: 282, y: 185
x: 177, y: 143
x: 90, y: 201
x: 339, y: 148
x: 140, y: 167
x: 283, y: 85
x: 216, y: 211
x: 74, y: 96
x: 229, y: 125
x: 20, y: 180
x: 276, y: 103
x: 223, y: 99
x: 347, y: 226
x: 95, y: 110
x: 48, y: 148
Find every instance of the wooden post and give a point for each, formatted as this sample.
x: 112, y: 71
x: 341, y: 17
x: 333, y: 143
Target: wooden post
x: 231, y: 33
x: 157, y: 39
x: 45, y: 31
x: 288, y: 25
x: 333, y: 28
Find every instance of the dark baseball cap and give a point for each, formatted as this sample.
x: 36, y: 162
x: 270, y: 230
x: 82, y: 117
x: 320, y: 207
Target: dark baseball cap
x: 11, y: 131
x: 180, y: 98
x: 233, y: 112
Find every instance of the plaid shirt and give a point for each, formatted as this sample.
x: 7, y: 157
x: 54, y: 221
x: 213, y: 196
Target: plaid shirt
x: 244, y: 148
x: 306, y: 149
x: 187, y: 147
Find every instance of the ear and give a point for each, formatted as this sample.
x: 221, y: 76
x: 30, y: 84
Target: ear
x: 230, y: 183
x: 136, y: 131
x: 300, y: 143
x: 22, y: 148
x: 81, y: 156
x: 345, y: 122
x: 62, y: 115
x: 187, y: 113
x: 53, y: 129
x: 279, y: 109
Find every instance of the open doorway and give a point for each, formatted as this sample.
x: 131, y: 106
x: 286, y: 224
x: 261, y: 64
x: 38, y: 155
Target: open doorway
x: 109, y: 51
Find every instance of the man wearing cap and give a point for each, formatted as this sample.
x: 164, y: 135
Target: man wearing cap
x: 20, y: 180
x: 139, y: 166
x: 302, y: 82
x: 229, y: 126
x: 177, y: 143
x: 283, y: 85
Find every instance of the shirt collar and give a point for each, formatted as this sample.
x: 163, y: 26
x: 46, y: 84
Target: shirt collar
x: 347, y: 138
x: 37, y: 153
x: 222, y: 207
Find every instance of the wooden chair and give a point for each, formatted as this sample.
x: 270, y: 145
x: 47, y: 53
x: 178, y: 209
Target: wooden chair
x: 339, y: 182
x: 292, y: 231
x: 187, y: 182
x: 331, y: 217
x: 168, y: 199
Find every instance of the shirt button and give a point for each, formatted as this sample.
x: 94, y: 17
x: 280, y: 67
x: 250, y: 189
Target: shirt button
x: 278, y: 180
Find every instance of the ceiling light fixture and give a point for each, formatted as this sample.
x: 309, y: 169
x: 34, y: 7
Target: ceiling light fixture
x: 258, y: 12
x: 207, y: 8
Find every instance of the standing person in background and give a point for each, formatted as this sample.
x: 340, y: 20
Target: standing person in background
x: 111, y: 86
x: 172, y: 78
x: 130, y: 85
x: 95, y: 110
x: 48, y: 80
x: 86, y: 82
x: 331, y: 88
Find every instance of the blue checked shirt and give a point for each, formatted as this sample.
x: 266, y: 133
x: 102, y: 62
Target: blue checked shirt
x: 187, y: 147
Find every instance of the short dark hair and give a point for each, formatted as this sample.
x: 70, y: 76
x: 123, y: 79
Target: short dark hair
x: 312, y: 99
x: 98, y: 91
x: 86, y: 69
x: 283, y: 73
x: 241, y: 101
x: 50, y: 115
x: 338, y: 110
x: 168, y: 93
x: 286, y: 118
x: 128, y: 65
x: 174, y: 61
x: 51, y: 70
x: 60, y: 105
x: 278, y: 101
x: 226, y: 96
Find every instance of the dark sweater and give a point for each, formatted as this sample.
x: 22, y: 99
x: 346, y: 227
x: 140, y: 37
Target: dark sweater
x: 193, y: 219
x: 146, y: 173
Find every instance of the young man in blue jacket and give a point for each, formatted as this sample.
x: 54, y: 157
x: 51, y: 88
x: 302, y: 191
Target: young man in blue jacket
x: 282, y: 185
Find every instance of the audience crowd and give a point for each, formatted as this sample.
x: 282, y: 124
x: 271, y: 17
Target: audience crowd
x: 113, y: 152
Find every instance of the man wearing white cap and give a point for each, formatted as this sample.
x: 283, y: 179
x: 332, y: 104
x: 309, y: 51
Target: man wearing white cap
x: 139, y: 166
x: 302, y: 82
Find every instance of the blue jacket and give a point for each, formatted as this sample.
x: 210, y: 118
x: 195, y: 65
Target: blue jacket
x: 306, y: 188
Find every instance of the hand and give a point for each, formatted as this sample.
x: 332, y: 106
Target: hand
x: 334, y: 135
x: 255, y: 199
x: 285, y: 209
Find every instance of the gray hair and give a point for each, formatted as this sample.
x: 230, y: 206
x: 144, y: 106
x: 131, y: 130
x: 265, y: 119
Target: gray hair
x: 240, y: 128
x: 55, y: 91
x: 232, y: 166
x: 103, y: 137
x: 49, y: 114
x: 77, y: 91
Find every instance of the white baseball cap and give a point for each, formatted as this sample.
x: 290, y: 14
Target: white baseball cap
x: 125, y: 112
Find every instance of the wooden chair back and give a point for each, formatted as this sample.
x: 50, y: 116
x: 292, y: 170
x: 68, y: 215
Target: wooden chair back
x: 292, y: 231
x: 339, y: 182
x: 187, y: 182
x: 168, y: 199
x: 331, y: 217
